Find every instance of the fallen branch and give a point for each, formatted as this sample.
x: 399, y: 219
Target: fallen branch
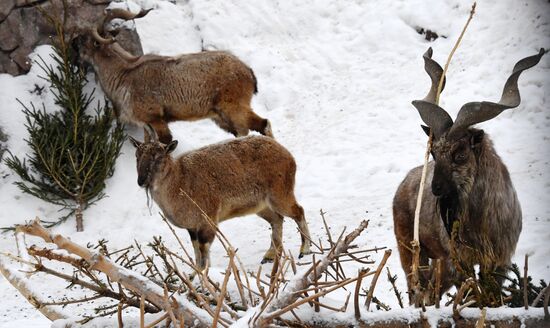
x: 288, y: 299
x: 116, y: 273
x: 20, y: 283
x: 387, y: 254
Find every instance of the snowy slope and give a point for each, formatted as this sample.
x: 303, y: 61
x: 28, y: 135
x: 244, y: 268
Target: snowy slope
x: 336, y: 80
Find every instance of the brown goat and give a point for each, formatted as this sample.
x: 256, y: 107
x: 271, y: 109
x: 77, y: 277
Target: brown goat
x: 157, y: 90
x: 243, y: 176
x: 469, y: 184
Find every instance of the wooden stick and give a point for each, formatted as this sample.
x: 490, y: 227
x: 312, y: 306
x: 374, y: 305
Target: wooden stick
x: 525, y: 268
x: 316, y: 301
x: 288, y: 298
x: 154, y: 323
x: 545, y: 305
x: 539, y: 296
x: 115, y: 272
x: 169, y: 308
x: 437, y: 291
x: 440, y: 85
x: 182, y: 321
x: 360, y: 274
x: 387, y: 254
x: 395, y: 290
x: 458, y: 298
x: 332, y: 308
x: 416, y: 242
x: 142, y: 312
x: 227, y: 246
x: 481, y: 322
x: 119, y: 315
x: 270, y: 316
x: 223, y: 291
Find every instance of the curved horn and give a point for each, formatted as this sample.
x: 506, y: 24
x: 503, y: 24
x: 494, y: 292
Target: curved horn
x: 433, y: 116
x: 125, y: 14
x: 100, y: 39
x: 150, y: 134
x: 123, y: 53
x: 477, y: 112
x: 435, y: 71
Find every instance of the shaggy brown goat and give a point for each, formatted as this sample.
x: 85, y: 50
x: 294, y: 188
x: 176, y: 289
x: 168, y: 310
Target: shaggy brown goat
x: 243, y: 176
x: 469, y: 184
x: 157, y: 90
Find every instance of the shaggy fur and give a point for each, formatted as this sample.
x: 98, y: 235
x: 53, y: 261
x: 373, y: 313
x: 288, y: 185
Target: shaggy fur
x: 239, y: 177
x: 469, y: 184
x: 157, y: 90
x: 476, y: 190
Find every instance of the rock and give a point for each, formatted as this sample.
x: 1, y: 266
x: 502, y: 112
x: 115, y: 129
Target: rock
x: 5, y: 8
x: 3, y: 140
x: 24, y: 27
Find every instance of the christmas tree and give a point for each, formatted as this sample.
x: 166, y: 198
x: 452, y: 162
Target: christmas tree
x: 73, y: 151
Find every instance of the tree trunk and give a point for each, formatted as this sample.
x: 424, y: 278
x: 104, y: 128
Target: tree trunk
x: 79, y: 219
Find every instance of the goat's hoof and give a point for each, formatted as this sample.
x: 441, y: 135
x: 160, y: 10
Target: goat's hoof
x: 266, y: 260
x: 304, y: 252
x: 267, y: 130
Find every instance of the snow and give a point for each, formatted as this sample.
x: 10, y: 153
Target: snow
x: 336, y: 80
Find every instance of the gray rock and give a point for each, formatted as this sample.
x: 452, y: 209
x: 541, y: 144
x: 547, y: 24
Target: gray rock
x: 5, y: 8
x: 3, y: 140
x: 23, y: 27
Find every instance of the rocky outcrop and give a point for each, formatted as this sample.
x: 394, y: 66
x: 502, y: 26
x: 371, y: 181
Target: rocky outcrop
x: 23, y: 26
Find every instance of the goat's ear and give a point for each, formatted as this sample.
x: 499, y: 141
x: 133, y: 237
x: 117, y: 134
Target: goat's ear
x: 135, y: 142
x: 171, y: 146
x: 426, y: 129
x: 476, y: 138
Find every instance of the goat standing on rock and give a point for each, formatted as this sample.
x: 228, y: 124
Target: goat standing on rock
x: 157, y: 90
x: 469, y: 184
x: 234, y: 178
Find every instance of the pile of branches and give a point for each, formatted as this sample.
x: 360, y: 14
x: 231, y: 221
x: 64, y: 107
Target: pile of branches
x: 157, y: 279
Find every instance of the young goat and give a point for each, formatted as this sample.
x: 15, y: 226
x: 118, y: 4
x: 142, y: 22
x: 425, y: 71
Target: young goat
x: 469, y: 184
x: 157, y: 90
x: 238, y: 177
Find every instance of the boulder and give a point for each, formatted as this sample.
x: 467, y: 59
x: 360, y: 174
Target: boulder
x: 24, y: 25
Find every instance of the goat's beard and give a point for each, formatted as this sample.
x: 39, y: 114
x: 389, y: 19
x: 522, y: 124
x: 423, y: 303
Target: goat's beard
x: 449, y: 210
x: 148, y: 194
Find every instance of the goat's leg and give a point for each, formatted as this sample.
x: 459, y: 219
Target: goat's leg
x: 448, y: 275
x: 224, y: 122
x: 276, y: 222
x: 232, y: 118
x: 404, y: 235
x: 241, y: 119
x: 195, y: 242
x: 258, y: 124
x: 205, y: 238
x: 162, y: 130
x: 289, y: 207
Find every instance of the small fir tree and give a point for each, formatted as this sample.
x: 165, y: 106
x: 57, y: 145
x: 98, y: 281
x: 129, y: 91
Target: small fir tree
x: 72, y: 152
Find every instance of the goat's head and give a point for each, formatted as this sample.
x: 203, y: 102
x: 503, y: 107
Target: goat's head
x: 98, y: 42
x: 456, y: 145
x: 150, y: 154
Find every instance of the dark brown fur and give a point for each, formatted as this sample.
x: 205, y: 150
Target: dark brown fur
x: 470, y: 214
x: 472, y: 175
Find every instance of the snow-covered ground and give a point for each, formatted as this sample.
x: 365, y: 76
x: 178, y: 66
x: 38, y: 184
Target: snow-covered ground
x: 336, y: 79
